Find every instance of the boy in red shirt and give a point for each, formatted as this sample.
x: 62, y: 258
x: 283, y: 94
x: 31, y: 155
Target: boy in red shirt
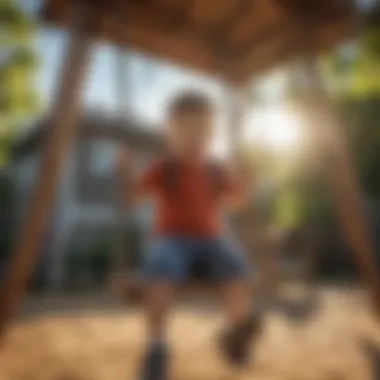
x: 189, y: 192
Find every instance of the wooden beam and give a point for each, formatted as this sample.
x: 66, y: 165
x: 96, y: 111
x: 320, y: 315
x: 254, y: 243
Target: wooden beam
x: 123, y: 82
x: 155, y: 17
x: 242, y: 50
x: 147, y: 15
x: 286, y: 47
x: 119, y: 246
x: 344, y: 184
x: 343, y: 179
x: 264, y: 59
x: 236, y: 103
x: 178, y: 14
x: 273, y: 32
x: 156, y: 29
x: 190, y: 53
x: 218, y: 39
x: 57, y: 143
x: 150, y: 34
x: 228, y: 23
x: 299, y: 31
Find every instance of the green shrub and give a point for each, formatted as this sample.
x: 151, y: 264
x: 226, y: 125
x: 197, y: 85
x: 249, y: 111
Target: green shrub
x: 98, y: 259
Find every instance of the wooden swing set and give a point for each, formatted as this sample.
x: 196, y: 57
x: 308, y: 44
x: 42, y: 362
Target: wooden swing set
x: 232, y: 40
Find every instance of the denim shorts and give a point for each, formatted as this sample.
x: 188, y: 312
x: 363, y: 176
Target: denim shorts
x: 172, y: 257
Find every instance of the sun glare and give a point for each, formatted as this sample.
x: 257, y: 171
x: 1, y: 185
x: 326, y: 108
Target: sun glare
x: 277, y: 129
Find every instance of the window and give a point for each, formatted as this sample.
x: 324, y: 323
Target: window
x: 102, y: 158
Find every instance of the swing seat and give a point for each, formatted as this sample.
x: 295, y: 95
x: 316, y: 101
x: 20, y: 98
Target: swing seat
x: 130, y: 287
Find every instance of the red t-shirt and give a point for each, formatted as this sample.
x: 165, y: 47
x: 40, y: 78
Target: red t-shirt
x: 193, y: 207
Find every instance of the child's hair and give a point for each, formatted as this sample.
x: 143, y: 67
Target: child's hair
x: 190, y: 101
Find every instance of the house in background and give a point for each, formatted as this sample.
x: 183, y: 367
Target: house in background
x: 87, y: 209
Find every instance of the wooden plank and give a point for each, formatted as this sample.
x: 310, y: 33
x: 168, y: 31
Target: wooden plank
x: 169, y: 29
x: 212, y: 12
x: 233, y: 18
x: 251, y: 26
x: 189, y: 53
x: 236, y: 103
x: 285, y: 47
x: 60, y: 138
x: 264, y: 57
x: 291, y: 25
x: 121, y: 209
x: 123, y: 82
x: 172, y: 3
x: 143, y: 30
x: 149, y: 15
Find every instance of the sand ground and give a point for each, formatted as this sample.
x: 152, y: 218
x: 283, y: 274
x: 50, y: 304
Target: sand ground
x: 106, y: 344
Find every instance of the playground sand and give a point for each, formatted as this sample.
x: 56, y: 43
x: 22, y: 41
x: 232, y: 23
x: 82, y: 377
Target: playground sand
x: 99, y: 346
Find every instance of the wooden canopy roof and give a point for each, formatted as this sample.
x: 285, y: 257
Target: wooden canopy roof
x: 236, y: 38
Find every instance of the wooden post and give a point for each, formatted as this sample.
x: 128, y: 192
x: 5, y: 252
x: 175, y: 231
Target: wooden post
x: 245, y: 223
x: 236, y: 107
x: 344, y: 183
x: 124, y: 220
x: 121, y: 208
x: 61, y: 136
x: 123, y: 82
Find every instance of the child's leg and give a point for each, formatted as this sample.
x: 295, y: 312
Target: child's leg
x: 165, y: 265
x: 157, y: 303
x: 243, y: 325
x: 232, y: 270
x: 238, y: 300
x: 158, y: 300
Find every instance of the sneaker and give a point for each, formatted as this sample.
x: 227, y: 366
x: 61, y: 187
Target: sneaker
x: 155, y: 363
x: 236, y: 343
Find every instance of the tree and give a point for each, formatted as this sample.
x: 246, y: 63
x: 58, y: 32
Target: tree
x: 353, y: 76
x: 7, y: 192
x: 352, y: 70
x: 18, y: 61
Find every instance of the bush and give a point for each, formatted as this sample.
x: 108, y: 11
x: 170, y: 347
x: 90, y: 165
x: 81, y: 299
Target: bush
x: 6, y: 217
x: 74, y: 267
x: 97, y: 261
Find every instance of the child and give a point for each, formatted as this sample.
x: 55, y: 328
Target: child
x: 189, y: 191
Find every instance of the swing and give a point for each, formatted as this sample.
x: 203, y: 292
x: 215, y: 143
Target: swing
x: 287, y: 29
x: 292, y: 261
x: 130, y: 286
x: 299, y: 264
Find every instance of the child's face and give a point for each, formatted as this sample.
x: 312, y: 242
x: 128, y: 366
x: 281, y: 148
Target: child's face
x: 190, y: 134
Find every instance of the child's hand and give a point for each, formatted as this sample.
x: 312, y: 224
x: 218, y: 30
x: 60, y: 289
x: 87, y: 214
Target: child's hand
x: 242, y: 171
x: 240, y: 177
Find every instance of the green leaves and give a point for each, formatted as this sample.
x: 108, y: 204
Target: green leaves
x: 357, y: 89
x: 357, y: 74
x: 18, y: 62
x: 362, y: 116
x: 15, y: 25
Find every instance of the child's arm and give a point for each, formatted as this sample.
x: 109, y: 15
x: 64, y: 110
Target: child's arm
x: 239, y: 183
x: 137, y: 187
